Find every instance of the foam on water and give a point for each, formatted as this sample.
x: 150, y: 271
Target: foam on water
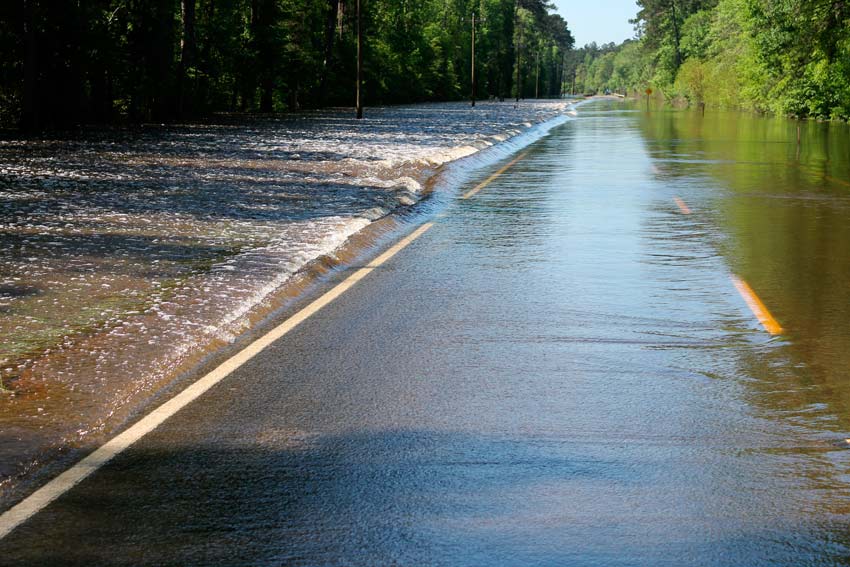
x: 127, y: 255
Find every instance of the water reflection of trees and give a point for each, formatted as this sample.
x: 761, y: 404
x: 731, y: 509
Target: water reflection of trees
x: 783, y: 219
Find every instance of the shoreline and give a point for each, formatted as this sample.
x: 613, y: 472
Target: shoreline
x: 40, y: 455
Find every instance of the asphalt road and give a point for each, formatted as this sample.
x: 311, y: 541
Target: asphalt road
x: 560, y: 371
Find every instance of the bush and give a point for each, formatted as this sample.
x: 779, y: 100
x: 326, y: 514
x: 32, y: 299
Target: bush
x: 691, y: 81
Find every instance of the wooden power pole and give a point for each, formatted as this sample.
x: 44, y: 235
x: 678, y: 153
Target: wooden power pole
x: 537, y: 80
x: 473, y: 58
x: 518, y: 60
x: 359, y: 62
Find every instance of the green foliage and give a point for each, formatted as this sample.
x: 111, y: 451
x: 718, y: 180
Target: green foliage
x: 782, y: 56
x: 631, y: 69
x: 66, y: 63
x: 692, y: 80
x: 695, y: 35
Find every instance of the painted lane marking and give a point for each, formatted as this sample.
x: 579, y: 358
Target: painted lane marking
x: 756, y: 305
x: 836, y: 180
x: 42, y: 497
x: 818, y: 171
x: 493, y: 177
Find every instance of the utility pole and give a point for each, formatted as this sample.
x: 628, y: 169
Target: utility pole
x: 473, y: 58
x: 359, y: 62
x: 537, y: 80
x: 518, y: 59
x: 474, y: 81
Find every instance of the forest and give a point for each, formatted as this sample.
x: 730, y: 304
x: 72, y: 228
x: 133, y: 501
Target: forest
x: 788, y: 57
x: 73, y: 62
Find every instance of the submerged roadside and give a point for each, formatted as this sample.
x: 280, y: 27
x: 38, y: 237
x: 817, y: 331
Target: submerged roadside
x: 128, y: 260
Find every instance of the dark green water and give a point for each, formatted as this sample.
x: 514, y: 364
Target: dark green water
x: 779, y: 215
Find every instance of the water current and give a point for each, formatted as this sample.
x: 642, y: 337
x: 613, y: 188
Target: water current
x: 125, y: 255
x: 560, y: 371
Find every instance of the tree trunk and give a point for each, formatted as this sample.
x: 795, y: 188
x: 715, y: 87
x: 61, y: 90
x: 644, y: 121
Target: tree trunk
x: 294, y: 104
x: 188, y: 49
x: 30, y: 115
x: 264, y: 17
x: 161, y: 63
x: 267, y: 93
x: 678, y: 60
x: 249, y: 74
x: 330, y: 33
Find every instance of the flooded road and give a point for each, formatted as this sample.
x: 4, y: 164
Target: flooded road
x: 560, y: 371
x: 127, y: 256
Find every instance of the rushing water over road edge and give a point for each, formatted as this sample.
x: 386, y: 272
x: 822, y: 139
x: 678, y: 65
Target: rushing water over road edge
x: 50, y: 422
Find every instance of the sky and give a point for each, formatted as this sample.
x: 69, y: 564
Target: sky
x: 602, y: 21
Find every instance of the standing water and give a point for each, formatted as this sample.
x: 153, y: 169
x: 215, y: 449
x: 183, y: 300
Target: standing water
x: 778, y: 212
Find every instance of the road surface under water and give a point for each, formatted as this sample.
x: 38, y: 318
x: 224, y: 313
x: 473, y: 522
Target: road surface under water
x: 559, y: 372
x: 126, y: 256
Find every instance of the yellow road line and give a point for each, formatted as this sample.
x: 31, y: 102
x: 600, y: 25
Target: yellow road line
x: 493, y: 177
x: 817, y: 171
x: 756, y: 305
x: 42, y: 497
x: 836, y: 180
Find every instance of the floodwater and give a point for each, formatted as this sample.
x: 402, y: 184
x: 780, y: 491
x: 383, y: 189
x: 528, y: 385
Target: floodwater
x: 559, y: 372
x: 126, y: 256
x: 777, y: 213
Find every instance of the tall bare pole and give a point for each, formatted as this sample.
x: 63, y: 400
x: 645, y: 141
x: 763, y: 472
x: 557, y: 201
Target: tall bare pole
x: 473, y: 58
x: 537, y: 80
x: 518, y: 53
x: 359, y: 62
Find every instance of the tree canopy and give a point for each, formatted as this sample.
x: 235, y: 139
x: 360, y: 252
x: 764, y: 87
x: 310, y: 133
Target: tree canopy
x: 85, y: 61
x: 784, y: 56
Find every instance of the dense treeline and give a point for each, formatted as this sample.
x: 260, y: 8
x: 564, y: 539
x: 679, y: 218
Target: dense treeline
x: 74, y: 61
x: 784, y: 56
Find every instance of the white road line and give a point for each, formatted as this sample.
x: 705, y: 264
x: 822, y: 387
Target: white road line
x: 42, y: 497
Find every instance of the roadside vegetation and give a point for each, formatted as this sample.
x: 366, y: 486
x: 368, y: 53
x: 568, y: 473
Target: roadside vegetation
x: 105, y: 61
x: 789, y: 57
